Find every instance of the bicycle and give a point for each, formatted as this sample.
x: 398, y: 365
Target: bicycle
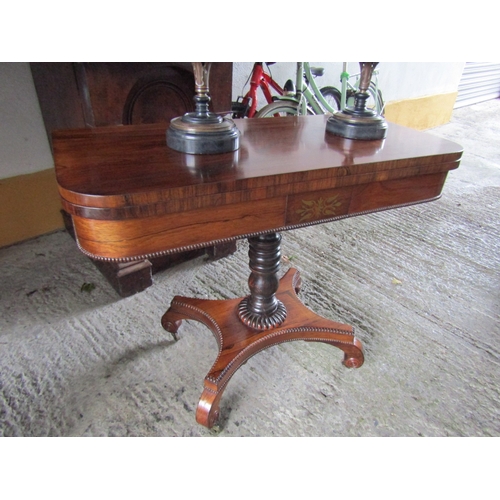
x: 247, y: 107
x: 309, y: 99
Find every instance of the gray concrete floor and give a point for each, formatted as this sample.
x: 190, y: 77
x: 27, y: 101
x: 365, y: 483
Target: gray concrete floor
x: 420, y: 284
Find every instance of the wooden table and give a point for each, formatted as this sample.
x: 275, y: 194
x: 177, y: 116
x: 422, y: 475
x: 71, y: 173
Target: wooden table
x: 131, y: 198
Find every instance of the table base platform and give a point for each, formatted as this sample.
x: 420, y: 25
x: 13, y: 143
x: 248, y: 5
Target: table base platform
x: 238, y: 342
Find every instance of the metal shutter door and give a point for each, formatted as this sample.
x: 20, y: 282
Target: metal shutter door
x: 480, y: 82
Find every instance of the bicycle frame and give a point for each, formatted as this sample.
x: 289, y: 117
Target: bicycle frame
x: 344, y: 80
x: 308, y: 94
x: 259, y: 79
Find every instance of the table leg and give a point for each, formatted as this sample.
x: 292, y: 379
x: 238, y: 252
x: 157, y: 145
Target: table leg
x: 270, y: 315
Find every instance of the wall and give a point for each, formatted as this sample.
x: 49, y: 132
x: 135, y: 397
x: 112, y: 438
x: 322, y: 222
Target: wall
x: 24, y: 147
x: 420, y: 95
x: 29, y: 204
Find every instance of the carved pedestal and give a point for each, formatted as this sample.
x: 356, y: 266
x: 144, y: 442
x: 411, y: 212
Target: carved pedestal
x: 270, y: 315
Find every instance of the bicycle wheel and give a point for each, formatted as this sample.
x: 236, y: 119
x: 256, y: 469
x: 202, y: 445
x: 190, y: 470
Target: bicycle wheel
x: 378, y: 99
x: 280, y: 108
x: 332, y: 96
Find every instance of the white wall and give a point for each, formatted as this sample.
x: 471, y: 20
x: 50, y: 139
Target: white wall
x: 406, y: 80
x: 24, y: 147
x: 397, y: 80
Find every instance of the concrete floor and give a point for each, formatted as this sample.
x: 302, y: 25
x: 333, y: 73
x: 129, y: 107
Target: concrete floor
x: 420, y: 284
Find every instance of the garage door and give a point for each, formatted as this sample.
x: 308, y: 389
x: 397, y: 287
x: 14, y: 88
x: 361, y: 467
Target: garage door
x: 479, y: 82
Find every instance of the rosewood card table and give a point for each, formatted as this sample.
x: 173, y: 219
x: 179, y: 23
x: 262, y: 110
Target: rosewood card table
x: 131, y: 197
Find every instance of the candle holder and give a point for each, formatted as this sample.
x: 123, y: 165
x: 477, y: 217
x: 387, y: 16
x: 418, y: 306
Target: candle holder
x: 359, y: 122
x: 201, y: 131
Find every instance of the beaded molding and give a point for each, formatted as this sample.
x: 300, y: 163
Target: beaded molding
x: 197, y: 246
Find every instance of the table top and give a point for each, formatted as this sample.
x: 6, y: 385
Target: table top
x: 128, y: 173
x: 113, y: 166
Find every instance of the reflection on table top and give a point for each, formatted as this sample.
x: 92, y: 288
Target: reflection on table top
x: 118, y: 161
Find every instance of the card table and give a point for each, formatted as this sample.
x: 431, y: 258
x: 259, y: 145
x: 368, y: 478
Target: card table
x: 133, y: 198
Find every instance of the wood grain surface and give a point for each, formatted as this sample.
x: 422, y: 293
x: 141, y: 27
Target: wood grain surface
x: 131, y: 196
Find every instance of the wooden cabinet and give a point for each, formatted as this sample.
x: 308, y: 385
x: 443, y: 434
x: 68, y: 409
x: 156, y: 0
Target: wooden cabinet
x: 74, y: 95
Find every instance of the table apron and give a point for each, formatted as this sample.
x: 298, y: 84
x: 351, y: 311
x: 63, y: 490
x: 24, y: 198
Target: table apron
x: 147, y: 237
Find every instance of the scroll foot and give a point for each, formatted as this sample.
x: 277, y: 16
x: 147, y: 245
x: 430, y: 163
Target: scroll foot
x: 207, y: 413
x: 171, y: 321
x: 353, y: 355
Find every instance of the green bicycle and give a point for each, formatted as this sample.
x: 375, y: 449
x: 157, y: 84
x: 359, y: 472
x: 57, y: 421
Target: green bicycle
x: 308, y: 98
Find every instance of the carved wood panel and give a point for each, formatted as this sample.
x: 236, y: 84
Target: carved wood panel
x: 73, y: 95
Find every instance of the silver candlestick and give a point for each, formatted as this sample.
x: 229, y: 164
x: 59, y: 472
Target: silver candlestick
x: 359, y: 122
x: 201, y: 131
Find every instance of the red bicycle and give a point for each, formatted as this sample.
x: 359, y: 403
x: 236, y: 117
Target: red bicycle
x: 247, y: 106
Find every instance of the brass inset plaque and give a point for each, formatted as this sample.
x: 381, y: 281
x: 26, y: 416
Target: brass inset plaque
x: 311, y: 207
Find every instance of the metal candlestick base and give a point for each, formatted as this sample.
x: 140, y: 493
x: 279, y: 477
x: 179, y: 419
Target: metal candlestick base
x: 202, y: 132
x: 202, y: 138
x: 352, y: 125
x: 358, y: 122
